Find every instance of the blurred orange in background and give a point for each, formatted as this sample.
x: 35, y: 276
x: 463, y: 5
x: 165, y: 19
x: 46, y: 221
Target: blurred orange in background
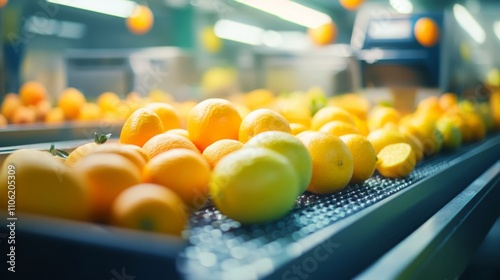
x: 426, y: 32
x: 323, y: 35
x: 140, y: 21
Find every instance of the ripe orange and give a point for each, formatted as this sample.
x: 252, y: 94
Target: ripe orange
x: 42, y: 108
x: 258, y: 98
x: 140, y: 21
x: 149, y: 207
x: 262, y: 120
x: 179, y: 131
x: 10, y: 103
x: 220, y: 149
x: 80, y: 152
x: 108, y: 101
x: 24, y: 115
x: 333, y: 164
x: 3, y: 3
x: 351, y: 5
x: 324, y: 34
x: 339, y: 128
x: 124, y: 150
x: 396, y: 160
x: 3, y: 121
x: 169, y: 117
x: 212, y: 120
x: 32, y: 92
x: 167, y: 141
x: 426, y: 32
x: 141, y: 126
x: 296, y: 128
x: 448, y: 101
x: 55, y: 115
x: 43, y: 186
x: 363, y: 155
x: 328, y: 114
x: 380, y: 116
x: 106, y: 175
x: 71, y: 101
x: 184, y: 171
x: 383, y: 137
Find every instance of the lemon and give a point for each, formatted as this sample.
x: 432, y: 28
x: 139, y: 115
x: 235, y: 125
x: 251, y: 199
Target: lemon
x: 396, y: 160
x: 254, y: 185
x: 289, y: 146
x: 452, y: 137
x: 363, y: 154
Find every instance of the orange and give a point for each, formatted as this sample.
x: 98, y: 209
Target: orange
x: 179, y: 131
x: 3, y: 3
x: 328, y: 114
x: 169, y: 117
x: 184, y: 171
x: 296, y: 128
x: 324, y: 34
x: 184, y: 109
x: 24, y: 115
x: 429, y: 108
x: 80, y: 152
x: 140, y: 21
x: 363, y: 155
x: 3, y: 121
x: 426, y: 32
x: 396, y: 160
x: 262, y: 120
x: 71, y: 101
x: 89, y: 112
x: 258, y: 98
x: 220, y: 149
x: 495, y: 109
x: 106, y: 175
x: 10, y: 103
x: 124, y: 150
x: 448, y: 101
x: 140, y: 127
x: 212, y: 120
x: 415, y: 143
x: 339, y: 128
x: 42, y: 108
x: 55, y: 115
x: 254, y: 185
x: 43, y: 186
x: 382, y: 137
x: 242, y: 109
x: 333, y: 164
x: 294, y: 111
x: 380, y: 116
x: 351, y: 5
x: 108, y: 101
x: 149, y: 207
x: 139, y: 150
x: 32, y: 92
x: 476, y: 125
x: 159, y: 96
x: 354, y: 103
x: 431, y: 138
x: 452, y: 137
x: 167, y: 141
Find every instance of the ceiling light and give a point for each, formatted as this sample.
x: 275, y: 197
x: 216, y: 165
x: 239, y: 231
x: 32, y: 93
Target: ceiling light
x: 117, y: 8
x: 469, y: 23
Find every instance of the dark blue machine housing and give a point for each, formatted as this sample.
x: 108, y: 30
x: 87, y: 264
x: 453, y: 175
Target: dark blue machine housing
x: 390, y: 55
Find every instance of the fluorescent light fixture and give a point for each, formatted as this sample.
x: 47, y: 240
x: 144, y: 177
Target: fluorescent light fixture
x: 290, y: 11
x: 53, y: 27
x: 496, y: 29
x: 239, y: 32
x: 402, y: 6
x: 469, y: 23
x: 117, y: 8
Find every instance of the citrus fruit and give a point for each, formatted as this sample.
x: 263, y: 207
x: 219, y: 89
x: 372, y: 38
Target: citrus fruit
x: 351, y: 5
x: 212, y: 120
x: 55, y: 115
x: 328, y: 114
x: 3, y: 121
x: 167, y: 141
x: 43, y: 186
x: 24, y: 115
x: 383, y: 137
x: 452, y: 137
x: 426, y: 32
x: 106, y: 175
x: 414, y: 142
x: 210, y: 41
x: 108, y: 101
x: 149, y: 207
x: 361, y: 125
x: 10, y: 103
x: 333, y: 164
x: 3, y: 3
x: 141, y: 126
x: 363, y: 155
x: 324, y: 34
x: 262, y: 120
x: 32, y: 92
x: 396, y: 160
x: 292, y: 148
x: 296, y: 128
x: 124, y: 150
x: 140, y: 21
x: 447, y: 101
x: 169, y: 117
x: 429, y: 136
x: 71, y: 101
x: 42, y: 108
x: 83, y: 150
x: 495, y: 109
x: 354, y: 103
x: 476, y: 125
x: 220, y: 149
x: 184, y: 171
x: 179, y: 131
x: 254, y: 185
x: 258, y: 98
x: 89, y: 112
x: 380, y: 116
x: 339, y: 128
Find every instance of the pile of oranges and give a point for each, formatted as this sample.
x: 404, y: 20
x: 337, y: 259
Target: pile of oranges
x: 252, y: 154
